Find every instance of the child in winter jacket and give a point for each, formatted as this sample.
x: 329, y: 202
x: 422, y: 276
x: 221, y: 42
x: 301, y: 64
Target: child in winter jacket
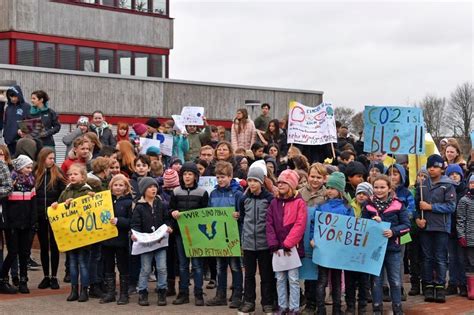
x: 384, y: 206
x: 80, y: 153
x: 21, y: 218
x: 79, y: 257
x: 226, y: 194
x: 148, y: 216
x: 116, y: 249
x: 286, y: 224
x: 336, y: 203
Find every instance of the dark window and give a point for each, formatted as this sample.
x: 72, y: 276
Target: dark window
x: 156, y: 66
x: 106, y: 61
x: 25, y: 53
x: 46, y: 55
x: 87, y: 59
x: 5, y: 51
x: 124, y: 65
x: 67, y: 57
x: 141, y: 65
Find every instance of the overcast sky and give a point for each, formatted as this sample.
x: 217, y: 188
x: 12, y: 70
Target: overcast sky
x: 358, y: 53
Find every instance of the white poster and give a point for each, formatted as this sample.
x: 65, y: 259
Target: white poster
x: 163, y: 141
x: 311, y: 125
x: 179, y: 124
x: 192, y: 115
x: 147, y: 242
x: 208, y: 183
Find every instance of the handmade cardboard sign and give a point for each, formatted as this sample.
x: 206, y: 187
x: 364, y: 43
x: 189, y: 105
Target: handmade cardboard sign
x: 308, y: 269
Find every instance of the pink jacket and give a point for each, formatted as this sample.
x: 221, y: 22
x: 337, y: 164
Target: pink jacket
x: 286, y: 223
x: 246, y: 138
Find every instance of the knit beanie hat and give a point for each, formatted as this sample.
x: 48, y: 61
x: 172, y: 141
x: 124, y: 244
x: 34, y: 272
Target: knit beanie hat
x: 289, y: 177
x: 435, y: 160
x: 170, y: 179
x: 256, y: 173
x: 259, y: 164
x: 153, y: 151
x: 21, y: 161
x: 188, y: 167
x: 377, y: 165
x: 337, y: 180
x: 139, y: 128
x: 454, y: 168
x: 144, y: 183
x: 174, y: 160
x: 153, y: 122
x: 365, y: 188
x: 354, y: 168
x: 83, y: 120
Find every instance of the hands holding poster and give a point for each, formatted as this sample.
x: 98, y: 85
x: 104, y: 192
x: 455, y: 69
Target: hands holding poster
x: 85, y: 221
x: 210, y: 232
x: 348, y: 243
x: 397, y: 130
x: 311, y: 125
x: 147, y: 242
x: 162, y: 141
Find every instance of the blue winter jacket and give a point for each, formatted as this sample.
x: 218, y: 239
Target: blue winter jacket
x: 14, y: 113
x: 403, y: 194
x: 226, y: 197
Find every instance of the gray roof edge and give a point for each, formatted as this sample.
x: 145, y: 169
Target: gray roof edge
x: 152, y: 79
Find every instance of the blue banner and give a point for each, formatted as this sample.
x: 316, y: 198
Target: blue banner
x: 349, y: 243
x: 472, y: 139
x: 396, y: 130
x: 308, y: 269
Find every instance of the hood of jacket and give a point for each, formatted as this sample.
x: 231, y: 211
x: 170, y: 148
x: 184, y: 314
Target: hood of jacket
x: 234, y: 186
x: 17, y: 90
x: 401, y: 170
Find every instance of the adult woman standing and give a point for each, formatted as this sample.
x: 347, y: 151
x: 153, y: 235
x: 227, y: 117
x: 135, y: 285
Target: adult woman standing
x: 49, y: 118
x: 243, y: 130
x: 50, y: 182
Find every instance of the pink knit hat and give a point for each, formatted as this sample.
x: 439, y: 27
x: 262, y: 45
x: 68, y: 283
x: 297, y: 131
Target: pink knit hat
x: 139, y: 128
x: 170, y: 179
x: 289, y: 177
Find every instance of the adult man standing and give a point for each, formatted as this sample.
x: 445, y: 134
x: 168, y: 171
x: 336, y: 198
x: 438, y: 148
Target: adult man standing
x: 17, y: 109
x: 261, y: 122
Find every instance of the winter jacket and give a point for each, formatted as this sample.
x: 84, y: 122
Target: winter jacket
x: 104, y: 133
x: 245, y: 138
x: 180, y: 146
x: 461, y: 191
x: 74, y: 191
x: 253, y: 212
x: 97, y: 184
x: 336, y: 206
x: 20, y: 211
x: 50, y: 121
x: 397, y: 215
x: 134, y: 179
x: 147, y: 219
x: 261, y: 122
x: 196, y: 141
x: 465, y: 218
x: 68, y: 162
x: 442, y: 197
x: 6, y: 186
x: 286, y: 223
x: 14, y: 113
x: 45, y: 195
x: 123, y: 213
x: 313, y: 199
x: 403, y: 194
x: 69, y: 139
x: 356, y: 207
x: 227, y: 196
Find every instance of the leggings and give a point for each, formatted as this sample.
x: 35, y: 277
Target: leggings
x: 120, y: 254
x: 48, y: 247
x: 18, y: 243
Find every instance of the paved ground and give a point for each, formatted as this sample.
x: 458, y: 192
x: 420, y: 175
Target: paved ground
x: 54, y: 302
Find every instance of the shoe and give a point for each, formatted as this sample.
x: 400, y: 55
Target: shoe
x: 6, y: 288
x: 463, y: 290
x: 67, y: 278
x: 440, y: 294
x: 132, y: 289
x: 109, y: 295
x: 74, y: 295
x: 171, y: 291
x: 182, y: 298
x: 123, y: 298
x: 33, y: 265
x: 429, y: 293
x: 23, y: 287
x: 198, y: 300
x: 415, y: 289
x: 310, y: 309
x: 16, y: 281
x: 95, y: 292
x: 386, y: 294
x: 54, y: 283
x: 161, y: 297
x: 236, y: 300
x: 362, y: 309
x: 211, y: 284
x: 397, y: 309
x: 45, y: 283
x: 143, y: 298
x: 404, y: 294
x: 283, y: 311
x: 219, y: 300
x: 151, y: 278
x: 377, y: 309
x: 84, y: 295
x: 451, y: 289
x: 247, y: 307
x: 268, y: 309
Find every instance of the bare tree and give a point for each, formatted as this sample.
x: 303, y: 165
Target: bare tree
x: 344, y: 115
x: 461, y: 109
x: 433, y: 110
x: 358, y: 122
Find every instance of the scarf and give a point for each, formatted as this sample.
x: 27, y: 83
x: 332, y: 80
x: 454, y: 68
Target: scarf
x: 35, y: 110
x: 23, y: 183
x: 381, y: 205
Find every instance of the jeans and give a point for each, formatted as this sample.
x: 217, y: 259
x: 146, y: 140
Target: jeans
x: 237, y: 275
x: 391, y: 264
x: 457, y: 276
x: 284, y: 279
x: 322, y: 283
x: 18, y: 245
x: 95, y: 270
x: 79, y: 265
x: 145, y: 271
x: 267, y: 279
x: 197, y: 267
x: 435, y: 256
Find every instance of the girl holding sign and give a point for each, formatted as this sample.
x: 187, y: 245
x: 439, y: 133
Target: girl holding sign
x: 384, y: 206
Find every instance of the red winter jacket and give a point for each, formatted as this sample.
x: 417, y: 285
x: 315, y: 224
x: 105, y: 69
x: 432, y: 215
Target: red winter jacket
x: 286, y: 223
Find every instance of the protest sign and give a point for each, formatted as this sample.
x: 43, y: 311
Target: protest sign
x: 192, y: 115
x: 147, y: 242
x: 210, y: 232
x: 33, y: 127
x: 85, y: 221
x: 348, y: 243
x: 472, y: 139
x: 396, y: 130
x: 308, y: 269
x: 179, y: 124
x: 162, y: 141
x: 311, y: 125
x: 416, y: 162
x: 208, y: 183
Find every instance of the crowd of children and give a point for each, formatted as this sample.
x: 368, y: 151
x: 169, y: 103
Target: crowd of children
x: 270, y: 197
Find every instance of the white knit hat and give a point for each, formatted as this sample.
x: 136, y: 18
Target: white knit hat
x: 21, y: 161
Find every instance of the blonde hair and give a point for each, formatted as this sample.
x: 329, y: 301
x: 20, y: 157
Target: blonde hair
x: 82, y: 170
x: 156, y: 168
x: 319, y: 168
x: 121, y: 177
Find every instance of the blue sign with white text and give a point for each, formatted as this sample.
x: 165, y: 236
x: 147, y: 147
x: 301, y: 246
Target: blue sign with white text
x: 349, y: 243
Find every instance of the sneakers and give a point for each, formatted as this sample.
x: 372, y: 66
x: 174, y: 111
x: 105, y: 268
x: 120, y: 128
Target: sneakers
x: 182, y: 298
x: 45, y: 283
x: 211, y: 284
x: 6, y: 288
x: 54, y: 283
x: 440, y: 294
x: 33, y: 265
x: 429, y: 293
x: 23, y: 287
x: 397, y: 309
x: 151, y: 278
x: 67, y: 278
x: 143, y: 298
x: 247, y: 307
x: 198, y: 300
